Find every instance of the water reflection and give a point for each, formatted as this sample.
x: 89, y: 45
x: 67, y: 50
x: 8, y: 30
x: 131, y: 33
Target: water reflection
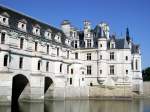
x: 94, y: 106
x: 82, y: 106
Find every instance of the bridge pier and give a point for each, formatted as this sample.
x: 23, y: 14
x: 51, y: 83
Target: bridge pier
x: 5, y: 87
x: 36, y: 88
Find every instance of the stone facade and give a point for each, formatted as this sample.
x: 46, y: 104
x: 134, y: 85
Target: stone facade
x: 73, y: 60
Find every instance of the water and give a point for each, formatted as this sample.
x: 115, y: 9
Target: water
x: 82, y: 106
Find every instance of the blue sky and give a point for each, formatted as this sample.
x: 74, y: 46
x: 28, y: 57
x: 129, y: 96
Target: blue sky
x: 120, y: 14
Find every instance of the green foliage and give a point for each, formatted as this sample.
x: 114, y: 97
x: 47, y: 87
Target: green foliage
x: 146, y: 74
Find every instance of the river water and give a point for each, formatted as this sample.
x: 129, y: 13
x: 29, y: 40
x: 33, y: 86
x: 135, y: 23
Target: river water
x: 82, y: 106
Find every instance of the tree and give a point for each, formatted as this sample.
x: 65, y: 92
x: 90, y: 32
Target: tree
x: 146, y: 74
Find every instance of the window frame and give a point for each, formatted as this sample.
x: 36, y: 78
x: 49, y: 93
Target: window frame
x: 89, y: 57
x: 89, y: 69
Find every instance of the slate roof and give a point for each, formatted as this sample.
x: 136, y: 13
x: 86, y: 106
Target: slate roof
x: 15, y: 17
x: 135, y: 48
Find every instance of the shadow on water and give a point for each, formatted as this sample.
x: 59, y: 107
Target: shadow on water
x: 19, y: 83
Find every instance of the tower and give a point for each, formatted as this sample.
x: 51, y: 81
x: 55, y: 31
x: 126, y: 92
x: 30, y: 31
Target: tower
x: 87, y: 34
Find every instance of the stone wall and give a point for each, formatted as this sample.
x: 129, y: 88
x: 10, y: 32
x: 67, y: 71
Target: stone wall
x: 101, y: 92
x: 146, y: 88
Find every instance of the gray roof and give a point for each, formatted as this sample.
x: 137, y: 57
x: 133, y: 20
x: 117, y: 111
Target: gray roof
x: 135, y: 48
x: 15, y: 17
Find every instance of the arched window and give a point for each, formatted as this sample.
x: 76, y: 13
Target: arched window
x: 57, y: 51
x: 60, y: 67
x: 5, y: 60
x: 47, y: 66
x: 136, y: 64
x: 21, y: 43
x: 132, y: 65
x: 39, y: 65
x: 3, y: 35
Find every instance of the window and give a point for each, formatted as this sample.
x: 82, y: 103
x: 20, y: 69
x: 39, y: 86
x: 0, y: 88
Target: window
x: 126, y: 71
x: 71, y: 34
x: 91, y: 84
x: 67, y: 54
x: 5, y: 60
x: 47, y: 66
x: 74, y: 34
x: 111, y: 69
x: 100, y: 57
x: 39, y: 65
x: 22, y: 25
x: 60, y: 68
x: 112, y: 46
x: 126, y: 58
x: 100, y: 71
x: 4, y: 20
x: 88, y: 56
x: 35, y: 47
x: 82, y: 79
x: 76, y: 55
x: 47, y: 49
x: 57, y: 51
x: 112, y: 56
x: 70, y: 81
x: 48, y: 34
x: 75, y: 44
x: 67, y: 68
x: 3, y: 38
x: 20, y: 62
x: 71, y: 71
x: 21, y: 43
x: 101, y: 45
x: 136, y: 64
x: 88, y: 43
x: 36, y: 30
x: 89, y: 70
x: 132, y: 65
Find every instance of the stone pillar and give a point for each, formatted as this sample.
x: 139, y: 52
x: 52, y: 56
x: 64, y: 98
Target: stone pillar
x: 5, y: 78
x: 37, y: 87
x: 5, y: 87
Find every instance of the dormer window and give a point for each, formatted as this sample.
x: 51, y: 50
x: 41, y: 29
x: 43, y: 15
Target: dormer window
x: 4, y: 20
x: 112, y: 45
x: 67, y: 42
x: 89, y: 43
x: 48, y: 34
x: 4, y: 17
x: 58, y: 37
x: 22, y: 25
x: 36, y: 30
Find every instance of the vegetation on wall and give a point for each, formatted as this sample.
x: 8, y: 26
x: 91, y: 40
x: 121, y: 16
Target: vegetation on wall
x: 146, y: 74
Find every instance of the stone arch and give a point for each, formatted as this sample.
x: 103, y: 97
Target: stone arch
x: 19, y: 82
x: 48, y: 81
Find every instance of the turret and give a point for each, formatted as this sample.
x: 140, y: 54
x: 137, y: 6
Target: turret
x: 66, y: 27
